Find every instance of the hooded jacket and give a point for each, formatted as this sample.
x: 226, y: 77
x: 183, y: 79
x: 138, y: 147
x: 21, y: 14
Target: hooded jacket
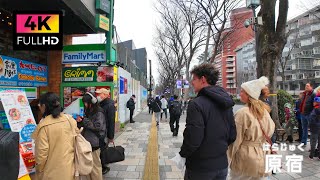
x: 210, y: 128
x: 109, y: 112
x: 315, y: 120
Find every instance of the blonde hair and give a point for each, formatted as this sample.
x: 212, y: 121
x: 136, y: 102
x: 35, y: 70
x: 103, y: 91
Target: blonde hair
x: 257, y: 108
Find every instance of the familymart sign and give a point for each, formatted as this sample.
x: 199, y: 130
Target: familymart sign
x: 83, y: 54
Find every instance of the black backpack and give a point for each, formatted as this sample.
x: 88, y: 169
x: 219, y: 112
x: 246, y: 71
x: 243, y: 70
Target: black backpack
x: 176, y: 108
x: 9, y: 155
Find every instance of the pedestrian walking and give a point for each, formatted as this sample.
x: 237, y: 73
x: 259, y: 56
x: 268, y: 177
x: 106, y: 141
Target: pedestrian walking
x: 54, y: 141
x: 150, y: 101
x: 156, y: 106
x: 131, y: 104
x: 175, y: 110
x: 254, y: 127
x: 164, y: 106
x: 315, y: 129
x: 298, y: 116
x: 306, y: 107
x: 107, y: 104
x: 94, y: 129
x: 210, y: 127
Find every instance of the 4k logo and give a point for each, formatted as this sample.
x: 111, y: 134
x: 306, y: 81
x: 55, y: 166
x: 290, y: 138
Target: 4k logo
x: 37, y: 30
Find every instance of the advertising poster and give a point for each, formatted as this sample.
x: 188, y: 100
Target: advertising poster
x: 20, y: 119
x: 125, y: 86
x: 71, y: 94
x: 121, y: 85
x: 88, y: 74
x: 16, y: 72
x: 186, y: 84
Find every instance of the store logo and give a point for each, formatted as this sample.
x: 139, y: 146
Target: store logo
x: 33, y: 30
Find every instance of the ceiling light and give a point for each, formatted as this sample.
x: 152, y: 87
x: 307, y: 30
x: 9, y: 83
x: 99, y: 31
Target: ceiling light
x: 2, y: 19
x: 7, y: 17
x: 9, y: 23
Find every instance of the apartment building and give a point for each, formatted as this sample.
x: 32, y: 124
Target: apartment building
x: 302, y: 52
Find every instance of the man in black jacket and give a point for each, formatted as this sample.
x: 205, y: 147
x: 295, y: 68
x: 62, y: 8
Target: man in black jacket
x: 210, y: 127
x: 131, y: 104
x: 107, y: 104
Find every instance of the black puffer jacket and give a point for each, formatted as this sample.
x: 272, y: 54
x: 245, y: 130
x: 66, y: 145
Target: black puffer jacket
x: 315, y: 121
x: 93, y: 127
x: 109, y: 111
x: 209, y: 130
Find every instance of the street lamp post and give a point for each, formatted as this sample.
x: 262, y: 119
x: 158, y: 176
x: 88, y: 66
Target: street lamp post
x: 253, y: 4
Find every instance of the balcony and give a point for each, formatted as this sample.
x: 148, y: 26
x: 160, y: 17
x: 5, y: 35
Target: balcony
x: 230, y: 76
x: 230, y: 70
x: 230, y: 65
x: 230, y: 59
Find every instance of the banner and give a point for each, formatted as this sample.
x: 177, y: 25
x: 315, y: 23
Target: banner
x: 88, y: 74
x: 20, y: 119
x: 179, y: 84
x: 15, y: 72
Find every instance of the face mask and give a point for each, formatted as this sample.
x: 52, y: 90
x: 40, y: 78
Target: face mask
x: 99, y: 99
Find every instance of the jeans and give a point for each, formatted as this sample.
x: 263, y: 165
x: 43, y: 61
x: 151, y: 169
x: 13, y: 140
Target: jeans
x: 214, y: 175
x: 305, y: 122
x: 314, y: 140
x: 158, y: 116
x: 165, y: 113
x: 300, y: 127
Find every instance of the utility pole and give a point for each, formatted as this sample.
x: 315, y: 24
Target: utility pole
x: 150, y: 86
x: 109, y: 35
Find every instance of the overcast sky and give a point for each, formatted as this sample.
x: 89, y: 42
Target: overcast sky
x: 136, y: 19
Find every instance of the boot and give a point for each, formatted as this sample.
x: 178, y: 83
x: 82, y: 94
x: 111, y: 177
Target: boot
x: 175, y: 133
x: 290, y: 139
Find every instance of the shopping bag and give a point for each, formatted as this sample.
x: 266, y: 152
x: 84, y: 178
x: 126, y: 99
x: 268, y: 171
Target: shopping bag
x: 112, y: 154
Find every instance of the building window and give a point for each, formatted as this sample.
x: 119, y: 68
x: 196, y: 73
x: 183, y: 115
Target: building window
x: 306, y: 42
x: 316, y: 50
x: 315, y: 27
x: 305, y: 31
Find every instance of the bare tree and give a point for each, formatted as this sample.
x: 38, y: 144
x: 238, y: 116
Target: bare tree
x: 271, y: 41
x: 216, y: 15
x: 181, y: 27
x: 283, y: 61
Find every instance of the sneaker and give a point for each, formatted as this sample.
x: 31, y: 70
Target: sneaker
x: 105, y: 170
x: 310, y: 157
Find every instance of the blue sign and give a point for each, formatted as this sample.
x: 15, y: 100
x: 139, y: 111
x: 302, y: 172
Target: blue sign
x: 121, y: 85
x: 16, y: 72
x: 26, y: 132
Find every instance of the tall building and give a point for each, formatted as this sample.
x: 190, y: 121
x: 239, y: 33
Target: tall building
x: 246, y: 63
x: 302, y: 52
x: 234, y: 36
x: 134, y: 59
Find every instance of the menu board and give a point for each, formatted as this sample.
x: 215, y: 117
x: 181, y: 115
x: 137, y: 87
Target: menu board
x: 20, y: 118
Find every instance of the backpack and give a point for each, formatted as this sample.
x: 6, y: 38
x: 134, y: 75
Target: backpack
x: 128, y: 104
x: 83, y: 154
x: 176, y: 108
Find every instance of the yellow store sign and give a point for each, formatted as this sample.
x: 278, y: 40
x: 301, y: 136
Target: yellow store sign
x: 102, y: 22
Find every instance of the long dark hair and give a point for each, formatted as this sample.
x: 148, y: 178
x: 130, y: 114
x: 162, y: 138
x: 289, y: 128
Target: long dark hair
x: 52, y: 103
x: 93, y: 107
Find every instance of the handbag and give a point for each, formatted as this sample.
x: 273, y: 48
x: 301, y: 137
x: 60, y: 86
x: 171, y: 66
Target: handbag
x: 83, y: 153
x: 112, y: 154
x: 267, y: 138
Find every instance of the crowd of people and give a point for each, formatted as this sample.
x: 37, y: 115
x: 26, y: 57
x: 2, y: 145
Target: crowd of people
x: 215, y: 138
x: 54, y: 138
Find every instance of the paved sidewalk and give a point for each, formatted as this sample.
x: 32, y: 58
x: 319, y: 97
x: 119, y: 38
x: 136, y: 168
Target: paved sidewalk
x: 135, y: 141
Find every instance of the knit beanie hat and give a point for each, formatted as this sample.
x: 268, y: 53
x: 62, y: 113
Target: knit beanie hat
x: 254, y: 87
